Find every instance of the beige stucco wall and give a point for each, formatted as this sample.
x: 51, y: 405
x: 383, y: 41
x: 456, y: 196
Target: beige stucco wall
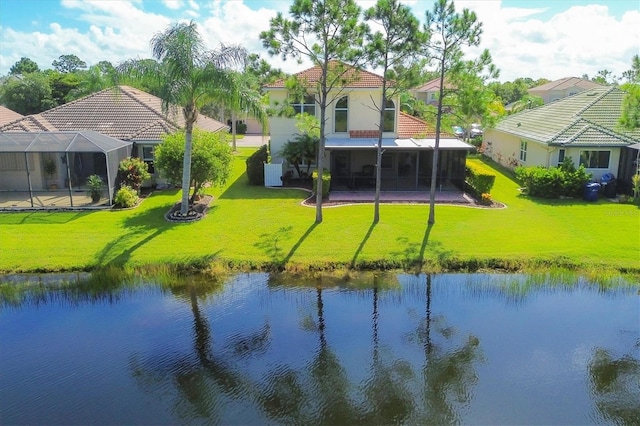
x: 362, y: 115
x: 504, y: 148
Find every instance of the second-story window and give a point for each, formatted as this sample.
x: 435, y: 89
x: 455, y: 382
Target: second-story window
x: 306, y: 105
x: 341, y: 114
x: 389, y: 117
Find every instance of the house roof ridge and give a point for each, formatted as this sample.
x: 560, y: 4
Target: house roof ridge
x: 596, y: 100
x: 161, y: 123
x: 128, y: 90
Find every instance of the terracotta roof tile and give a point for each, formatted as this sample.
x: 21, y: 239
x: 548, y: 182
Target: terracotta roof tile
x: 8, y: 116
x: 412, y: 127
x: 353, y: 77
x: 128, y: 114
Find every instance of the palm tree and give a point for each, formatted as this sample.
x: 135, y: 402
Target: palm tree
x: 190, y: 77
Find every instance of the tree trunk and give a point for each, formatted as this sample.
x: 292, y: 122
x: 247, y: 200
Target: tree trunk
x: 186, y: 170
x: 436, y: 148
x: 233, y: 129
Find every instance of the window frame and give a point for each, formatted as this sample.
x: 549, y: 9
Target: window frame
x: 342, y: 110
x: 523, y: 151
x: 590, y: 157
x: 389, y: 110
x: 306, y: 105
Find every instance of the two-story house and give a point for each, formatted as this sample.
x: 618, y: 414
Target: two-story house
x: 352, y: 123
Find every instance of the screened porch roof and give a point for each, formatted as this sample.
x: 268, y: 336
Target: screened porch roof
x: 403, y: 144
x: 81, y: 141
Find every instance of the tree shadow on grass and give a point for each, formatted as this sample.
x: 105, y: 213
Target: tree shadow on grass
x: 270, y: 244
x: 362, y: 244
x: 141, y: 228
x: 42, y: 217
x: 412, y: 256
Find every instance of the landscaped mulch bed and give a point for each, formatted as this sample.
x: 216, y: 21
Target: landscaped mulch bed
x: 197, y: 211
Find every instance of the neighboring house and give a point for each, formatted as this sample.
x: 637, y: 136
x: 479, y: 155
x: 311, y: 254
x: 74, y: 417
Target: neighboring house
x: 127, y: 114
x: 562, y: 88
x: 7, y: 115
x: 430, y: 91
x: 584, y: 127
x: 352, y: 120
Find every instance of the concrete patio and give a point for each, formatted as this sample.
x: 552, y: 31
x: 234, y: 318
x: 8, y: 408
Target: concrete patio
x: 446, y: 197
x: 18, y: 200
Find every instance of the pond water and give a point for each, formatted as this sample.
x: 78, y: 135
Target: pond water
x: 266, y: 349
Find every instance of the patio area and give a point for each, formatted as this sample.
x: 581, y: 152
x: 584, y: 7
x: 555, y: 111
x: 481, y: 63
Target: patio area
x: 19, y: 200
x: 442, y: 197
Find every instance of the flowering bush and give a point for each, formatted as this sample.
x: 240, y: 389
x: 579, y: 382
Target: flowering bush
x: 485, y: 199
x: 132, y: 172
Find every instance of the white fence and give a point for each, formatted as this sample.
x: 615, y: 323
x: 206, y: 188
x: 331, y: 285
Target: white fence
x: 273, y: 174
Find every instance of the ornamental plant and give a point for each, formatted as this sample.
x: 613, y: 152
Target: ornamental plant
x: 132, y: 171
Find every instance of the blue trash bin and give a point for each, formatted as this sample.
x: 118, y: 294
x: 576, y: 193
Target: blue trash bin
x: 591, y: 190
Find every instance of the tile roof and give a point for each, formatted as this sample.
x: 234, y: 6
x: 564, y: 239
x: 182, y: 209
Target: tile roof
x: 128, y: 114
x: 432, y: 85
x: 412, y: 127
x: 565, y: 83
x: 353, y: 77
x: 7, y: 115
x: 589, y: 118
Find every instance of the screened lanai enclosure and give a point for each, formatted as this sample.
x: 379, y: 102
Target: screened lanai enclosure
x: 406, y: 164
x: 50, y: 169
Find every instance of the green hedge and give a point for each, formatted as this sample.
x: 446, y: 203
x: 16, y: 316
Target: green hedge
x: 255, y: 166
x: 480, y: 178
x: 565, y: 180
x: 326, y: 182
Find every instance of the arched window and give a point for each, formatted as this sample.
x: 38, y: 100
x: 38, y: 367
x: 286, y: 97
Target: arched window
x: 340, y: 115
x: 389, y: 116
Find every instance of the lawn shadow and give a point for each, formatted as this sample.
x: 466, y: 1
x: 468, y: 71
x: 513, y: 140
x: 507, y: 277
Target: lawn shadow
x: 576, y: 201
x: 269, y: 243
x: 147, y: 224
x: 299, y: 242
x: 44, y: 218
x: 362, y: 244
x: 413, y: 255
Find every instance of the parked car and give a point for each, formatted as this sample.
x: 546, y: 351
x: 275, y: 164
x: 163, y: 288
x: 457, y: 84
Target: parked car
x: 458, y: 131
x: 476, y: 130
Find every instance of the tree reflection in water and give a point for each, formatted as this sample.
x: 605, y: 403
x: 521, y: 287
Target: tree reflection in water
x: 201, y: 379
x: 615, y: 386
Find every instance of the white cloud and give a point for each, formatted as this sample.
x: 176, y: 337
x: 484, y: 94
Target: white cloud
x: 524, y: 42
x: 173, y: 4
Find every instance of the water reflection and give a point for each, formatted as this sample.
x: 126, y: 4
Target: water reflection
x: 363, y: 349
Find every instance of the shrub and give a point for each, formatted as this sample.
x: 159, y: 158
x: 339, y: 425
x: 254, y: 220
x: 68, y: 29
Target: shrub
x: 564, y: 180
x: 326, y: 182
x: 210, y: 159
x: 480, y: 179
x: 485, y: 199
x: 255, y: 166
x: 126, y: 197
x: 132, y: 171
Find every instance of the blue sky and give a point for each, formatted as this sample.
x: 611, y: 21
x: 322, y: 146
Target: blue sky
x: 543, y: 38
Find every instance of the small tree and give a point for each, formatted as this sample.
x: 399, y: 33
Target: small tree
x: 132, y: 172
x: 301, y: 150
x: 210, y: 159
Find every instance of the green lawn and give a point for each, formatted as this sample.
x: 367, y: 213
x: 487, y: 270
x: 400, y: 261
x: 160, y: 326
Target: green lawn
x: 260, y: 227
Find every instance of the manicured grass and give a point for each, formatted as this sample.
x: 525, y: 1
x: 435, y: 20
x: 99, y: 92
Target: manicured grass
x: 256, y: 227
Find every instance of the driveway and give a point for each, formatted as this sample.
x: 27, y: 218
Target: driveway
x: 252, y: 140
